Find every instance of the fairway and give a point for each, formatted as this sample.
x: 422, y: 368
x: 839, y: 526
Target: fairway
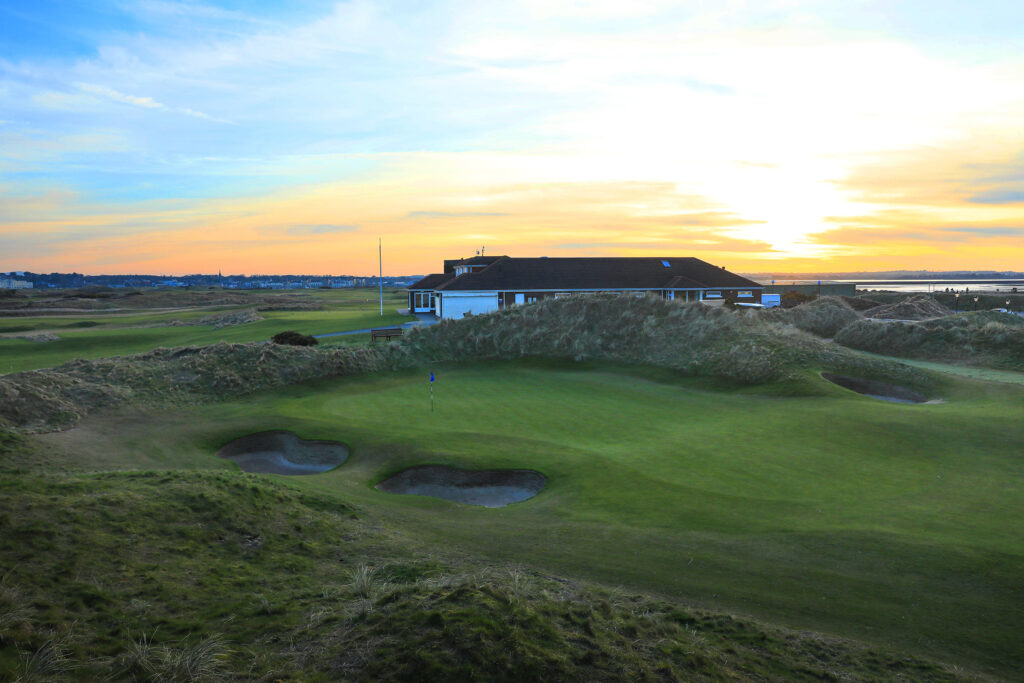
x: 100, y: 334
x: 819, y: 509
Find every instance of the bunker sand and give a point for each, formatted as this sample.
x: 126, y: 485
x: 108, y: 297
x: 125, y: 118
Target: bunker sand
x: 875, y: 389
x: 488, y: 488
x: 280, y: 452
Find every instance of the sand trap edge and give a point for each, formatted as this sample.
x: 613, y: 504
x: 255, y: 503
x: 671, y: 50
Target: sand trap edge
x: 490, y: 488
x: 871, y: 388
x: 282, y: 452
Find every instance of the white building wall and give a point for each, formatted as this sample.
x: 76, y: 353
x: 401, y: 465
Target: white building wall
x: 458, y: 304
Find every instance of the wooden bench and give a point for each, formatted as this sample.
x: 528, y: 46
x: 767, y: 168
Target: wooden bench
x: 385, y: 333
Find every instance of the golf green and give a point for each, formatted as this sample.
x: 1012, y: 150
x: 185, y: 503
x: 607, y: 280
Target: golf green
x: 818, y: 509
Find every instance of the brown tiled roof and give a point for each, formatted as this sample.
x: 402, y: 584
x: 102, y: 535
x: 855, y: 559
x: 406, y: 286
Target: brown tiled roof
x: 449, y: 264
x: 565, y: 274
x: 432, y: 281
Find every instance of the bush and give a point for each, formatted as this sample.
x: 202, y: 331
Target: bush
x: 823, y: 317
x: 293, y: 338
x: 794, y: 299
x: 983, y: 338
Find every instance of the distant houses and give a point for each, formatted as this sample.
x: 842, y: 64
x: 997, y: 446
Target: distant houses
x: 11, y: 283
x: 482, y: 284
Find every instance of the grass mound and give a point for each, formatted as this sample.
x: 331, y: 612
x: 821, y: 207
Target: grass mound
x: 156, y: 576
x: 43, y: 400
x: 917, y: 307
x: 861, y: 303
x: 985, y: 338
x: 823, y: 316
x: 700, y: 340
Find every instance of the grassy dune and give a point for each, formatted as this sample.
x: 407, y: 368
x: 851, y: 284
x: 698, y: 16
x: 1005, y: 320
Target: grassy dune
x: 160, y: 576
x: 986, y: 338
x: 891, y: 524
x: 697, y: 467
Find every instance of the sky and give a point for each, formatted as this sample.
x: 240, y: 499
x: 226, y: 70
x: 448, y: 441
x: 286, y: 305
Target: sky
x: 173, y: 137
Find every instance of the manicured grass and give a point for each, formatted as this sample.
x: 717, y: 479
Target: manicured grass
x: 119, y: 335
x: 819, y: 509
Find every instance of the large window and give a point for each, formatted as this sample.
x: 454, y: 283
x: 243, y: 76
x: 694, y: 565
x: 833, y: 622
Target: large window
x: 744, y: 294
x: 712, y: 294
x: 424, y: 300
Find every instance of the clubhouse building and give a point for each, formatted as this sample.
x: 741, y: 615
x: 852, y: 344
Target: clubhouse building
x: 488, y: 283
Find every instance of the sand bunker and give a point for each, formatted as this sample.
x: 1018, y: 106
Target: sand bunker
x: 489, y: 488
x: 281, y: 452
x: 875, y: 389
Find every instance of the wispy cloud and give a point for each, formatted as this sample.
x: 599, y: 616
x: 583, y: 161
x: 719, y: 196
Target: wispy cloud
x: 1010, y: 196
x: 451, y: 214
x: 325, y: 229
x: 144, y: 102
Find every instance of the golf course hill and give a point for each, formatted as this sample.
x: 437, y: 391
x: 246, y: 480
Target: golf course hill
x: 744, y: 347
x: 595, y: 487
x: 217, y: 576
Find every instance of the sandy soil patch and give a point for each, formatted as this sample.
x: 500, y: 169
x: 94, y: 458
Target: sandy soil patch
x: 876, y: 389
x: 281, y: 452
x: 489, y: 488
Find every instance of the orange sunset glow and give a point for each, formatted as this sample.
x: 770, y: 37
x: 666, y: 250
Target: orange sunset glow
x: 165, y: 138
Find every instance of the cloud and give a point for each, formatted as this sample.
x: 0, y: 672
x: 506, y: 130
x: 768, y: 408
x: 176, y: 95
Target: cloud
x: 326, y: 229
x: 714, y: 219
x: 1010, y: 196
x: 144, y: 102
x: 451, y: 214
x: 110, y: 93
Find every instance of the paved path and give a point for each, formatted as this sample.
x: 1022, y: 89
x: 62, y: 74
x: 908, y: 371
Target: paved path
x: 422, y: 319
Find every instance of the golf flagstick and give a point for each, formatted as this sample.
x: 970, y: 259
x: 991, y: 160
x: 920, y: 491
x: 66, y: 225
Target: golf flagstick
x: 431, y: 391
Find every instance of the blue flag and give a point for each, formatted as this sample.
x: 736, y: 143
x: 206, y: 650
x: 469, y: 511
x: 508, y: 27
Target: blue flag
x: 431, y: 375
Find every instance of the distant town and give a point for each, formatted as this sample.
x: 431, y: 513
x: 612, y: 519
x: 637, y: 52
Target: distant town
x: 27, y: 280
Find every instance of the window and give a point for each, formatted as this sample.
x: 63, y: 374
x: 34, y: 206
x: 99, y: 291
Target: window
x: 531, y: 298
x: 744, y: 294
x: 712, y: 294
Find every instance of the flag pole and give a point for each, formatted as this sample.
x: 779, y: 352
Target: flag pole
x: 380, y: 276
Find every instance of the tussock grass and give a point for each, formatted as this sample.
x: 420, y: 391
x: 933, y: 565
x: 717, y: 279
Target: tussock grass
x: 43, y: 400
x: 986, y: 338
x: 441, y: 618
x: 823, y: 316
x: 742, y: 346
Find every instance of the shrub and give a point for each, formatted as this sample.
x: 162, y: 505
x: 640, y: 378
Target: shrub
x: 984, y: 338
x: 793, y: 299
x: 293, y: 338
x: 824, y: 316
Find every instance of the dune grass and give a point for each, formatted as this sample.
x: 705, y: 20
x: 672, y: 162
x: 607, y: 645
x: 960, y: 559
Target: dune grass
x: 825, y: 510
x: 164, y: 576
x: 986, y: 338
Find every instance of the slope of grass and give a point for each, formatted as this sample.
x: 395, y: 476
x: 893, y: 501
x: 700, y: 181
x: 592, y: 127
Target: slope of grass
x: 697, y: 340
x: 985, y: 338
x: 823, y: 510
x: 742, y: 346
x: 161, y: 576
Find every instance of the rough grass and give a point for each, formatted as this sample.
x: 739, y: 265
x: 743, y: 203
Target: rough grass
x: 42, y: 400
x: 916, y: 307
x: 986, y: 338
x: 823, y: 316
x: 698, y: 340
x: 165, y: 577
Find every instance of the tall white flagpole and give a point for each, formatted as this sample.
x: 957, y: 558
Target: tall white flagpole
x: 380, y: 276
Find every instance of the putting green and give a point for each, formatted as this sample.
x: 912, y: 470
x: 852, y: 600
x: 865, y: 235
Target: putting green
x: 816, y: 508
